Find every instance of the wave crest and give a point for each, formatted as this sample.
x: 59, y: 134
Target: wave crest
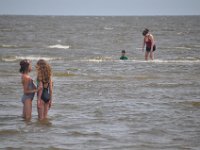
x: 33, y: 58
x: 58, y: 46
x: 8, y: 46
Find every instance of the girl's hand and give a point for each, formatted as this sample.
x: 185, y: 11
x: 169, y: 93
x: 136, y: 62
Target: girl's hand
x: 36, y: 90
x: 50, y: 104
x: 39, y: 103
x: 39, y: 88
x: 151, y: 54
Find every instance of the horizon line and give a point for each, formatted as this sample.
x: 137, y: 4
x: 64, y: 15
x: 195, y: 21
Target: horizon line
x: 184, y: 15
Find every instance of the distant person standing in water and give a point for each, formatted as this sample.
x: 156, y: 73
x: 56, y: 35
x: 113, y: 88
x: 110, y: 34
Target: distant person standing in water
x: 123, y: 57
x: 44, y: 95
x: 149, y: 42
x: 29, y: 88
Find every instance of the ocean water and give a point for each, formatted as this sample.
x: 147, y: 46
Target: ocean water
x: 99, y: 101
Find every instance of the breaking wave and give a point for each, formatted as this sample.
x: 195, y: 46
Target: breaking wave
x: 33, y: 58
x: 58, y: 46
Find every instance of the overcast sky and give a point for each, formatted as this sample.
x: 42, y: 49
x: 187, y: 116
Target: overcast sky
x: 100, y: 7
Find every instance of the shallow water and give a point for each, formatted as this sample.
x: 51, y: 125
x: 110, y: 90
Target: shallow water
x: 101, y: 102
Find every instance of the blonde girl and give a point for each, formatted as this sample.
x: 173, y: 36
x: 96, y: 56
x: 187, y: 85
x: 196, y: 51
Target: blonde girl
x: 44, y: 95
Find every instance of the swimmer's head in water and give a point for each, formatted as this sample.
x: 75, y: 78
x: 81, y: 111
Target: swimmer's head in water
x: 123, y: 51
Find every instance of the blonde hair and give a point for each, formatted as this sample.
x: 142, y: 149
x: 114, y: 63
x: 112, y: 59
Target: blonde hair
x: 43, y: 71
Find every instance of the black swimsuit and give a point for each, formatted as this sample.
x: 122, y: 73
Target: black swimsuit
x: 45, y: 94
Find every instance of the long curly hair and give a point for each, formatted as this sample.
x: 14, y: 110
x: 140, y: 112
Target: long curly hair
x: 44, y: 71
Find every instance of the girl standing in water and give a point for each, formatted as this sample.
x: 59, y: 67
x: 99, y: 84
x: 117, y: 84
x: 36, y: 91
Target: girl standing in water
x: 28, y: 87
x: 150, y: 44
x: 44, y: 95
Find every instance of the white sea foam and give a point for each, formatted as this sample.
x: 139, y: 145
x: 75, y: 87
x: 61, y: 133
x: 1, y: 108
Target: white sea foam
x: 8, y: 46
x: 109, y: 59
x: 59, y: 46
x: 100, y: 59
x: 8, y: 59
x: 183, y: 48
x: 33, y: 58
x: 139, y: 48
x: 177, y: 48
x: 108, y: 28
x: 95, y: 60
x: 36, y: 58
x: 175, y: 61
x: 186, y: 61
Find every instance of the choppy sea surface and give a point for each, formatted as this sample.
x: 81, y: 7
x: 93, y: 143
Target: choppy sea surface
x: 99, y: 101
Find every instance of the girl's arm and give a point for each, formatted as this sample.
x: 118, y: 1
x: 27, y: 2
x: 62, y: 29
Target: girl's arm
x: 143, y: 44
x: 51, y: 92
x: 40, y: 87
x: 25, y: 82
x: 39, y: 94
x: 152, y: 42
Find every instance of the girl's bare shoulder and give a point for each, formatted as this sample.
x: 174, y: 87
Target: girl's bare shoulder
x: 150, y: 35
x: 25, y: 78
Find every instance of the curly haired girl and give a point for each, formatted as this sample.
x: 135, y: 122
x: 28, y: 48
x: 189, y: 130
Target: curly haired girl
x: 44, y: 95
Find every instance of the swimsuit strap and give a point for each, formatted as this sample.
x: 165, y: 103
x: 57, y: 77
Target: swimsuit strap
x: 148, y: 37
x: 47, y: 85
